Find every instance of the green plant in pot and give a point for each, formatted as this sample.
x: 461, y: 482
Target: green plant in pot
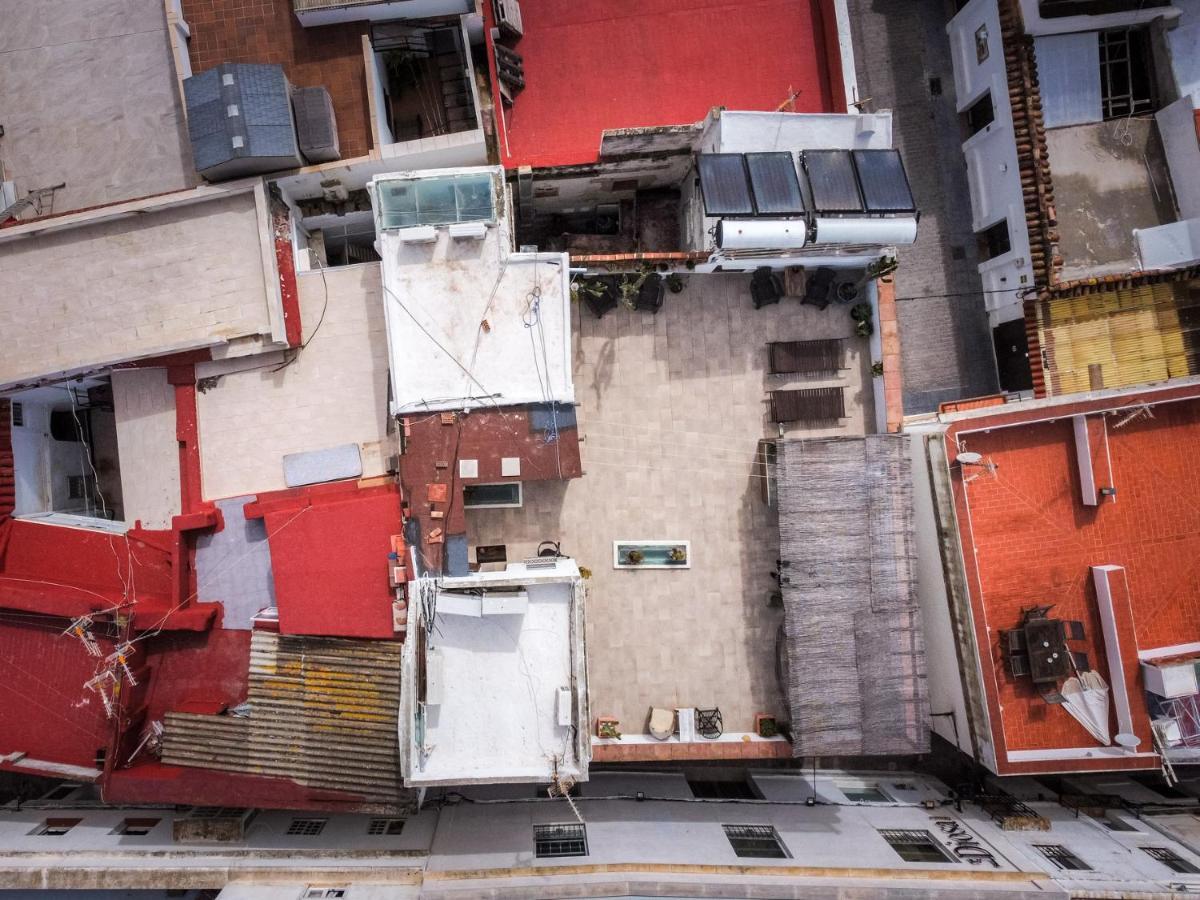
x: 674, y: 282
x: 863, y: 317
x: 635, y: 558
x: 582, y: 288
x: 677, y: 555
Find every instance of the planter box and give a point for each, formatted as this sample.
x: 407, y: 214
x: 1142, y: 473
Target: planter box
x: 656, y: 554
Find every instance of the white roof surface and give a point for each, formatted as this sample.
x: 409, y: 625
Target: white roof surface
x: 470, y: 322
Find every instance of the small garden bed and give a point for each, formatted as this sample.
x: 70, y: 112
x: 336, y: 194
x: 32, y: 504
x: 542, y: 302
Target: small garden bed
x: 652, y: 554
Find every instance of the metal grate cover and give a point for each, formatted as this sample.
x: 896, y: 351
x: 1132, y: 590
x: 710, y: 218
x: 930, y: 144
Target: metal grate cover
x: 824, y: 404
x: 805, y: 357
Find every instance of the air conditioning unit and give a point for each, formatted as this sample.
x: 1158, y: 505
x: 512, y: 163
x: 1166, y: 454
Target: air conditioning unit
x: 316, y: 125
x: 508, y: 17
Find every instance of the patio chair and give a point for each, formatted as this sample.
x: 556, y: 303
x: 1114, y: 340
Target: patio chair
x: 1052, y: 695
x: 650, y: 294
x: 662, y: 723
x: 1081, y: 662
x: 1075, y: 630
x: 708, y: 722
x: 603, y: 301
x: 1018, y: 665
x: 1014, y: 641
x: 818, y: 288
x: 1035, y: 612
x: 766, y: 287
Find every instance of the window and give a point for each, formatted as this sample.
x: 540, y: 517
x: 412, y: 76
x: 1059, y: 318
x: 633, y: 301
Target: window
x: 916, y: 846
x: 57, y: 827
x: 78, y: 487
x: 705, y: 789
x: 1127, y: 85
x: 137, y: 827
x: 18, y: 414
x: 1172, y: 860
x: 559, y: 840
x: 864, y: 793
x: 980, y: 114
x: 385, y: 826
x: 306, y: 827
x: 62, y: 792
x: 994, y: 240
x: 981, y: 44
x: 755, y: 841
x: 314, y: 893
x: 494, y: 495
x: 1062, y: 857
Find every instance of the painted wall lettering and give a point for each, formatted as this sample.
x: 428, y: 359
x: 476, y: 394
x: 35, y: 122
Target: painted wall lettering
x: 963, y: 844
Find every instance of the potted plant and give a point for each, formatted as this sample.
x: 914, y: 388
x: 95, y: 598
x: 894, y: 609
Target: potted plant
x: 862, y: 315
x: 674, y: 282
x: 765, y: 725
x: 677, y: 555
x: 877, y: 368
x: 607, y: 728
x: 635, y: 558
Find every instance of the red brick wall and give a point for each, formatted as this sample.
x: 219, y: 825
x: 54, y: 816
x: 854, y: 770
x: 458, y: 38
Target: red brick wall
x: 266, y: 31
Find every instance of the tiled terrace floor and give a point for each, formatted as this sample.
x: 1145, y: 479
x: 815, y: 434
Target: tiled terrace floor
x: 671, y: 408
x: 266, y: 31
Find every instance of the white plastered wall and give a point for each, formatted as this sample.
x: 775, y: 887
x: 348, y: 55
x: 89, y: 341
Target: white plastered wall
x: 992, y: 173
x: 146, y: 442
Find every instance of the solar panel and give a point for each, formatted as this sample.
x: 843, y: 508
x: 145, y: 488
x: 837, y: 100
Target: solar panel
x: 884, y: 183
x: 832, y: 180
x: 775, y: 184
x: 724, y: 184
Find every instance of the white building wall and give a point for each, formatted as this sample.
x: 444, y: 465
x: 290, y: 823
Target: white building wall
x: 993, y: 176
x: 147, y: 446
x: 333, y: 393
x: 162, y: 280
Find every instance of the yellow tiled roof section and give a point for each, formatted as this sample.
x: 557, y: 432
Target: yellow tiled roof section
x: 1117, y: 338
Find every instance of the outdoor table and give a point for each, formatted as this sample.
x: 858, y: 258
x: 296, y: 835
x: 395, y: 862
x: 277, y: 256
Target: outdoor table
x: 1046, y: 644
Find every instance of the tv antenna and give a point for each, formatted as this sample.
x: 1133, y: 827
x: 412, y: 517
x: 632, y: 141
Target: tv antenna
x: 968, y: 459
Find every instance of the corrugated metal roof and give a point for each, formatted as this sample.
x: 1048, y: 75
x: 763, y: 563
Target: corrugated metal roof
x: 323, y: 712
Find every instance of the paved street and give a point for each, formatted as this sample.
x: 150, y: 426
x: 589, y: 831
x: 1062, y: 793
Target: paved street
x: 947, y: 350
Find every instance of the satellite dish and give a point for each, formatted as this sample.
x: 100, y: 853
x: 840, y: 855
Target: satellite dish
x: 968, y: 458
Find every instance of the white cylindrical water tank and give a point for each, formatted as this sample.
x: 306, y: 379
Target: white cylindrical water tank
x: 865, y: 231
x: 761, y: 234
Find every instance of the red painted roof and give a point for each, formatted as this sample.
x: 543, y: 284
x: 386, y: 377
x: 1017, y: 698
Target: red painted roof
x: 329, y: 555
x: 1028, y: 539
x: 592, y: 65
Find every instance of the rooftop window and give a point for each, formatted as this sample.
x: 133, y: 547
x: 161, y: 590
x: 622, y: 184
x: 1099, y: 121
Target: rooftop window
x: 1062, y: 857
x: 755, y: 841
x: 916, y: 846
x: 439, y: 200
x: 57, y: 827
x: 385, y: 826
x: 559, y: 840
x: 708, y: 789
x: 1171, y: 860
x: 306, y: 827
x: 864, y: 793
x: 137, y: 827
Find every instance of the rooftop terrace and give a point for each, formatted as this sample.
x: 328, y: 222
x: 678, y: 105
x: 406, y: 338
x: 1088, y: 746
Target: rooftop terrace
x: 671, y: 410
x: 598, y: 64
x: 1030, y: 538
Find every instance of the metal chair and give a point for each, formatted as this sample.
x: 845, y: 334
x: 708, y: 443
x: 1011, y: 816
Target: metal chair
x: 1035, y: 612
x: 1018, y: 665
x: 1075, y: 630
x: 1014, y: 640
x: 1081, y: 662
x: 1052, y: 695
x: 708, y: 722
